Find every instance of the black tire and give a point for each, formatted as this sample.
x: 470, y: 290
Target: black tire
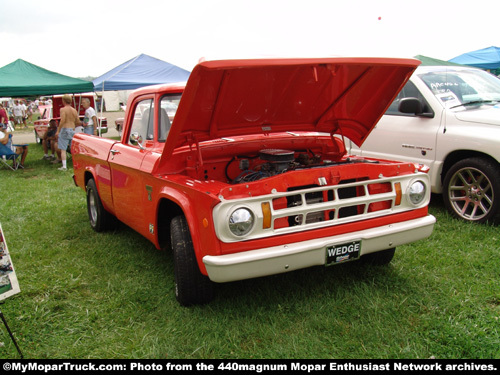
x: 191, y: 286
x: 100, y: 219
x: 380, y: 258
x: 471, y: 190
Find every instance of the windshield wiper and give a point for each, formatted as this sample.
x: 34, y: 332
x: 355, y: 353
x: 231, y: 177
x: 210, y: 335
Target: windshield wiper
x: 474, y: 102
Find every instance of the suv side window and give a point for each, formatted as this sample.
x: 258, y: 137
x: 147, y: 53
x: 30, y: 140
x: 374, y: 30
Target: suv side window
x: 143, y: 119
x: 408, y: 91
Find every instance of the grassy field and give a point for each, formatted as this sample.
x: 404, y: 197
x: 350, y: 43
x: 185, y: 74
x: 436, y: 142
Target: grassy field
x: 111, y: 295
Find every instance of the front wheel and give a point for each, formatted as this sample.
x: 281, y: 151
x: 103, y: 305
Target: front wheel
x: 191, y: 286
x: 471, y: 190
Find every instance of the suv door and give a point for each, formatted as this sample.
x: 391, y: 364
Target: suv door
x: 404, y: 136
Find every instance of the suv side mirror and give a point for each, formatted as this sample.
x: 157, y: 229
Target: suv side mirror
x: 413, y: 106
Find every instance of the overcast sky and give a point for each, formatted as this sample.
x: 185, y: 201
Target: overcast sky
x: 90, y: 37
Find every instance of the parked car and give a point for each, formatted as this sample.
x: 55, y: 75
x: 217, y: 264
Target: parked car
x: 448, y: 118
x: 240, y: 172
x: 52, y: 111
x: 119, y: 124
x: 119, y: 121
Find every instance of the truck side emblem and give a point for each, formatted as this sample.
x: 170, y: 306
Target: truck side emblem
x: 151, y: 228
x: 150, y: 191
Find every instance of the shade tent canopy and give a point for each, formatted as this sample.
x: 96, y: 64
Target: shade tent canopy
x: 430, y: 61
x: 142, y: 70
x: 486, y: 58
x: 21, y: 78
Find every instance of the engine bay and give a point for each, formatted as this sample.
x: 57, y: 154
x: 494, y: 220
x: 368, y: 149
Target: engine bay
x: 272, y: 162
x: 242, y: 160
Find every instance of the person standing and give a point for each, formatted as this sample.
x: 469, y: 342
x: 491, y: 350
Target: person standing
x: 18, y: 112
x: 90, y: 123
x: 4, y: 118
x: 66, y: 129
x: 29, y: 112
x: 25, y: 114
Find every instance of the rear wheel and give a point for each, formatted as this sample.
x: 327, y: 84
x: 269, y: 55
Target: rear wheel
x: 471, y: 190
x: 191, y: 286
x: 100, y: 219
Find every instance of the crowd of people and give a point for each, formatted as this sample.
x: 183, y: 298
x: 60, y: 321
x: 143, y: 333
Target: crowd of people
x: 20, y: 112
x: 58, y: 137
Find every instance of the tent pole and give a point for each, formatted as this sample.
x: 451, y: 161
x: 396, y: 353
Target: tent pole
x: 102, y: 108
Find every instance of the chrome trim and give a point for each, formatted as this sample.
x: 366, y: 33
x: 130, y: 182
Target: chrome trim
x: 223, y: 210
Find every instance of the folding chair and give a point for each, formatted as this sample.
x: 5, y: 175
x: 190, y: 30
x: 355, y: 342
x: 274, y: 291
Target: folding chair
x: 8, y: 157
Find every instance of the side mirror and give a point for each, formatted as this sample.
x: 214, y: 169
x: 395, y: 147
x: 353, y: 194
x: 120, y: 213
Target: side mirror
x: 413, y: 106
x: 136, y: 140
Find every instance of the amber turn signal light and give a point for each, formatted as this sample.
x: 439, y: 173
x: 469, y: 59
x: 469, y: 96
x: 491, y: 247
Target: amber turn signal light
x: 399, y: 194
x: 267, y: 219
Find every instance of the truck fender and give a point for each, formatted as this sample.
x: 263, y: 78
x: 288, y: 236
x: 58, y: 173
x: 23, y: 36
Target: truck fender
x: 186, y: 207
x: 102, y: 180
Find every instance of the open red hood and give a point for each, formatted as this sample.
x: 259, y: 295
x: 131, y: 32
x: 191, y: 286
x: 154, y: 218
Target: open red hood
x: 345, y: 96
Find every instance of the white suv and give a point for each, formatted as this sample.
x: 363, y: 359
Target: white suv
x: 448, y: 118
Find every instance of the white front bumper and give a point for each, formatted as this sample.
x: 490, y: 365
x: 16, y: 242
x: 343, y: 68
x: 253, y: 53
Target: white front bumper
x: 290, y: 257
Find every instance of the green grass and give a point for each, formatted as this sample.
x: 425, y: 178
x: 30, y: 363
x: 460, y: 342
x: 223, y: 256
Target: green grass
x: 111, y: 295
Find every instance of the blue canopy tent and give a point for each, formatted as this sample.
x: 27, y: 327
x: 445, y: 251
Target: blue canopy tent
x: 486, y: 58
x: 142, y: 70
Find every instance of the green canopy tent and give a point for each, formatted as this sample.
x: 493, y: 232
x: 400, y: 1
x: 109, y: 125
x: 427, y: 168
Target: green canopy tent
x: 21, y: 78
x: 430, y: 61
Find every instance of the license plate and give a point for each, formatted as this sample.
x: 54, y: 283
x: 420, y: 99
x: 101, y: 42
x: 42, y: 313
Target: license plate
x: 341, y: 253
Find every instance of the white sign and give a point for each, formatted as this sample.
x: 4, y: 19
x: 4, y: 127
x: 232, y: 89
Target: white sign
x: 8, y: 279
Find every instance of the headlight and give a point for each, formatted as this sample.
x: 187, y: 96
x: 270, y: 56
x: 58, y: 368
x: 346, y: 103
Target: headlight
x: 241, y: 221
x: 417, y: 192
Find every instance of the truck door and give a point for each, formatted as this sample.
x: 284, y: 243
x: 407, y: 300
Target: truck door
x: 125, y: 159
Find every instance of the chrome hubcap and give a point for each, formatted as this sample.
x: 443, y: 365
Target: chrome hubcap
x: 92, y: 208
x: 471, y: 194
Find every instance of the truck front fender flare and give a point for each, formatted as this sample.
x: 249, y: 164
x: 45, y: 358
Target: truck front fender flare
x: 186, y: 206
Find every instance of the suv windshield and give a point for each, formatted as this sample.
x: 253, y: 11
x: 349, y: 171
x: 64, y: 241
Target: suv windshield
x: 465, y: 87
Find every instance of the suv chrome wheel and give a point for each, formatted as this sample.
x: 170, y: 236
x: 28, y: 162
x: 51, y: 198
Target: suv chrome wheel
x: 470, y: 190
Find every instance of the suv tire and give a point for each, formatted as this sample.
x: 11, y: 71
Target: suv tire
x: 471, y: 189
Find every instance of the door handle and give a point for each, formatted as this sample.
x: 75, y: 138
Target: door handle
x: 113, y: 153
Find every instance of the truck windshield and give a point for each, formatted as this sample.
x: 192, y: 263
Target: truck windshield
x: 462, y: 88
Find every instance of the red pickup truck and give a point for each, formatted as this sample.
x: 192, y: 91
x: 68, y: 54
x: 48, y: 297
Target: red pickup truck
x: 242, y: 172
x: 52, y: 111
